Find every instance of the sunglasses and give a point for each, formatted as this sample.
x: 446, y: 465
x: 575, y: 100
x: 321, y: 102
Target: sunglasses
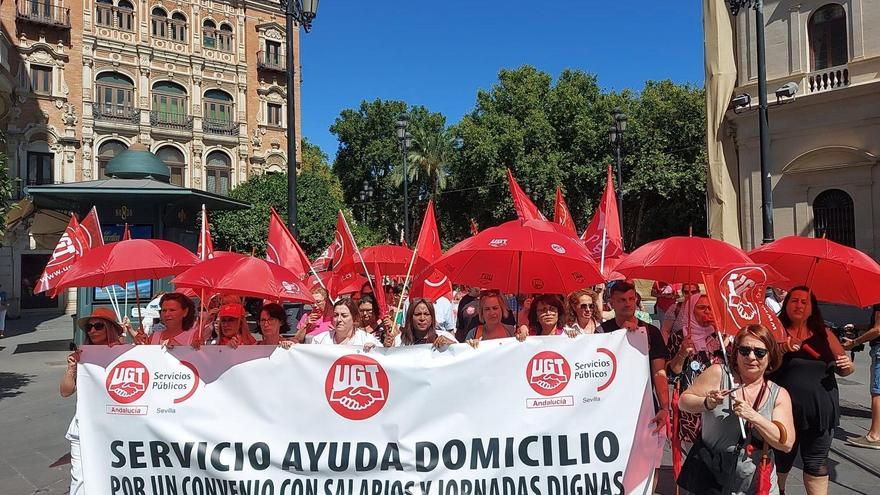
x: 97, y: 326
x: 586, y: 307
x: 745, y: 350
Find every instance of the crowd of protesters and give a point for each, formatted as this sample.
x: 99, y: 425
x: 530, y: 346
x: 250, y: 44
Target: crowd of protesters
x: 782, y: 395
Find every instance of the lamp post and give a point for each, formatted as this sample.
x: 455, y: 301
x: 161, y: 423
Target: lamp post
x: 615, y: 134
x: 300, y: 12
x: 763, y: 121
x: 366, y: 195
x: 404, y: 140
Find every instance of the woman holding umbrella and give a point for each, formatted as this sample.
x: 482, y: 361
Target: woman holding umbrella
x: 812, y: 357
x: 544, y: 316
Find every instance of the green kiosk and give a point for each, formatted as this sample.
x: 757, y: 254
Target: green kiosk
x: 136, y: 193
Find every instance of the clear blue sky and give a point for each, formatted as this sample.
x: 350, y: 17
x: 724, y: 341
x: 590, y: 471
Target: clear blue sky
x: 438, y: 53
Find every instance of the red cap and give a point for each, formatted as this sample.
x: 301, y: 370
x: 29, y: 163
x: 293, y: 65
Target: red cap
x: 233, y: 310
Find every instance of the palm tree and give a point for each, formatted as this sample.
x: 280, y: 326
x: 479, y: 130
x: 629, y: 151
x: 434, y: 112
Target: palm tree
x: 428, y: 158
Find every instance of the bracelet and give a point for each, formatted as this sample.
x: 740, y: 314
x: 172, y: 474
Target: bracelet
x: 783, y: 433
x: 706, y: 403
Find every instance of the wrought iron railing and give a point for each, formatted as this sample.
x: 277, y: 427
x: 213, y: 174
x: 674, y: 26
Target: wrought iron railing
x: 115, y: 113
x: 270, y: 61
x: 220, y: 127
x: 43, y: 12
x: 171, y: 120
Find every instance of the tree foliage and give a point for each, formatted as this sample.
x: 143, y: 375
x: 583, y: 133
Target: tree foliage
x: 7, y: 189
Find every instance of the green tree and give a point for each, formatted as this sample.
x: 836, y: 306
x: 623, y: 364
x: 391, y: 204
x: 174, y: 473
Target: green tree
x: 319, y: 197
x: 428, y: 161
x: 7, y: 189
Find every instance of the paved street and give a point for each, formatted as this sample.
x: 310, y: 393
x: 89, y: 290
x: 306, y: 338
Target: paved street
x: 34, y: 418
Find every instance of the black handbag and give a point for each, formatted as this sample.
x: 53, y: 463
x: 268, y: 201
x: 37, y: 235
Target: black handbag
x: 705, y: 471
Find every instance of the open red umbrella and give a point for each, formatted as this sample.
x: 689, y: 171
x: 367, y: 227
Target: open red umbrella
x: 834, y: 272
x: 391, y: 259
x: 120, y: 262
x: 521, y: 256
x: 680, y: 259
x: 245, y: 276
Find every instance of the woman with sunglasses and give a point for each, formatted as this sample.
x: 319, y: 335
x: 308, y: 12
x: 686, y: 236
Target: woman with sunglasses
x: 813, y: 355
x: 584, y: 315
x: 544, y: 316
x: 273, y: 323
x: 720, y: 461
x: 101, y: 328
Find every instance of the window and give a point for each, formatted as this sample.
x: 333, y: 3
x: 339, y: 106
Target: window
x: 178, y: 27
x: 224, y: 38
x: 209, y: 34
x: 273, y: 53
x: 104, y: 13
x: 106, y: 152
x: 274, y: 114
x: 219, y: 113
x: 834, y: 217
x: 41, y: 79
x: 218, y: 165
x: 114, y: 97
x: 159, y: 22
x: 828, y: 38
x: 125, y: 15
x: 169, y: 103
x: 175, y: 161
x: 39, y: 168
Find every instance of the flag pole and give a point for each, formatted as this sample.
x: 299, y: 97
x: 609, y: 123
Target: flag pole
x: 604, y: 243
x: 403, y: 292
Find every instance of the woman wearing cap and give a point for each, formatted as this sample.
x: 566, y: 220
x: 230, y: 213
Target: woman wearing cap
x: 234, y: 329
x: 345, y: 329
x: 492, y: 310
x: 178, y: 313
x: 101, y: 328
x: 273, y: 323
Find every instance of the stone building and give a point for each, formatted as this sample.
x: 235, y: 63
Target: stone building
x: 201, y: 84
x: 825, y: 141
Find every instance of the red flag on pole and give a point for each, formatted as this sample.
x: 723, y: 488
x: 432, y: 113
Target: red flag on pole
x: 434, y: 285
x: 90, y: 227
x: 126, y: 234
x: 736, y: 294
x: 206, y: 245
x: 346, y: 258
x: 605, y: 225
x: 282, y: 248
x: 525, y: 209
x: 561, y: 215
x: 69, y: 249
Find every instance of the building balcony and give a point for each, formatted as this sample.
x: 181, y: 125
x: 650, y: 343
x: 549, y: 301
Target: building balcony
x: 171, y: 120
x: 108, y: 112
x: 43, y: 12
x: 220, y: 127
x: 827, y: 79
x: 270, y: 61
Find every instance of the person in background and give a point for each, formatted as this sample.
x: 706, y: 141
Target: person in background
x: 762, y: 404
x: 345, y: 329
x: 316, y: 321
x: 493, y: 309
x: 671, y: 320
x: 812, y: 357
x: 870, y: 440
x: 468, y: 313
x: 522, y: 315
x: 445, y: 314
x: 666, y: 295
x: 234, y: 329
x: 273, y: 323
x: 583, y: 315
x: 4, y: 306
x: 100, y: 328
x: 369, y: 318
x: 545, y: 317
x: 773, y: 298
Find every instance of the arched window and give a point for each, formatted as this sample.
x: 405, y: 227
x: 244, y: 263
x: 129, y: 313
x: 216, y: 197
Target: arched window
x: 114, y: 98
x: 209, y: 34
x: 218, y: 168
x: 125, y: 15
x: 175, y: 161
x: 169, y: 104
x: 177, y: 27
x: 159, y: 22
x: 106, y: 152
x: 219, y: 116
x: 828, y: 38
x: 104, y: 13
x: 224, y: 38
x: 834, y: 217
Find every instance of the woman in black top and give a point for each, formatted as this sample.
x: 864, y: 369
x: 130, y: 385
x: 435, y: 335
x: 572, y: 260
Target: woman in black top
x: 813, y: 356
x: 420, y: 326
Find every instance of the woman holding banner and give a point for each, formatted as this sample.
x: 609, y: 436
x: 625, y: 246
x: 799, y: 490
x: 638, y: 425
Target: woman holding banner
x: 420, y: 326
x: 100, y: 328
x: 345, y: 329
x: 721, y: 461
x: 584, y: 313
x: 234, y: 329
x: 813, y: 356
x: 178, y: 313
x: 273, y: 323
x: 492, y: 310
x: 544, y: 316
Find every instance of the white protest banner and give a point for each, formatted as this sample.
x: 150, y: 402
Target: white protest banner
x: 551, y: 415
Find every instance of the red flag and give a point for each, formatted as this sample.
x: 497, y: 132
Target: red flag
x: 435, y: 285
x: 525, y: 209
x: 90, y: 228
x: 282, y: 248
x: 561, y: 215
x: 342, y: 253
x: 379, y: 292
x: 71, y: 246
x: 206, y: 245
x: 605, y: 225
x: 474, y: 228
x: 736, y: 294
x: 126, y: 234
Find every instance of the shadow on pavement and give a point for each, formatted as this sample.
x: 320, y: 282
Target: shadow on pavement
x: 44, y: 346
x: 11, y: 383
x: 855, y: 412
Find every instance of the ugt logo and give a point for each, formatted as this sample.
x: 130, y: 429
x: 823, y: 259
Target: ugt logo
x: 127, y: 381
x: 356, y: 387
x: 548, y: 373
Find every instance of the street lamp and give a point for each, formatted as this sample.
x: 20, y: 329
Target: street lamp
x: 763, y: 121
x: 404, y: 140
x: 365, y: 195
x: 615, y: 134
x: 301, y: 13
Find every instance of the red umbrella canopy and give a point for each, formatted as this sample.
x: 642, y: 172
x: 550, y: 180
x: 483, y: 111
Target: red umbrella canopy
x: 521, y: 256
x: 680, y: 259
x: 392, y: 260
x: 120, y: 262
x: 245, y: 276
x: 834, y: 272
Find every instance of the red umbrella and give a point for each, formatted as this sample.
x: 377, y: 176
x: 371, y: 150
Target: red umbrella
x: 521, y: 256
x: 245, y: 276
x: 391, y: 259
x: 680, y: 259
x: 120, y: 262
x: 834, y: 272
